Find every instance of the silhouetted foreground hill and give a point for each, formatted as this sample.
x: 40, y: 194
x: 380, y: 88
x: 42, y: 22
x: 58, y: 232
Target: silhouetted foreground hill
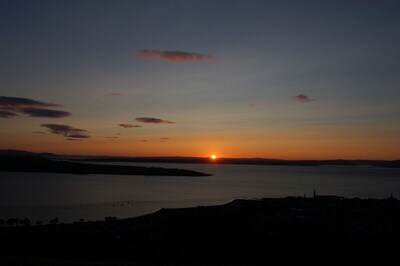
x: 317, y: 231
x: 28, y: 163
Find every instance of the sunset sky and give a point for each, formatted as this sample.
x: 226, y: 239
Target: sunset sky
x: 273, y: 79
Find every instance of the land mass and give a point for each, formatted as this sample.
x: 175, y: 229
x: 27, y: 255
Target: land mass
x: 248, y: 161
x: 40, y: 163
x: 319, y: 230
x: 206, y: 160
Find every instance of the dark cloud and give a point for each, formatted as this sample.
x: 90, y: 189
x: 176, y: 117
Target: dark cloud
x: 14, y: 106
x: 7, y: 114
x: 165, y: 138
x: 39, y: 112
x: 302, y: 98
x: 67, y: 131
x: 174, y: 56
x: 128, y: 125
x: 152, y: 120
x: 12, y: 103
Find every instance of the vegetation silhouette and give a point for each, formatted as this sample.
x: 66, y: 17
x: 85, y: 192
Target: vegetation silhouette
x: 54, y: 221
x: 25, y: 222
x: 292, y: 229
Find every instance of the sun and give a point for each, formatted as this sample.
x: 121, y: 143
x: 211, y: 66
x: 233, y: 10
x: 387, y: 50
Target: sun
x: 213, y: 157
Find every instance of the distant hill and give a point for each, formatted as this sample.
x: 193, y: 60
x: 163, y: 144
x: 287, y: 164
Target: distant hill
x: 248, y: 161
x: 5, y: 153
x: 206, y: 160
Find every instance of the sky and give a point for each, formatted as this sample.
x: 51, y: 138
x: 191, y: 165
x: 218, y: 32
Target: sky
x: 272, y: 79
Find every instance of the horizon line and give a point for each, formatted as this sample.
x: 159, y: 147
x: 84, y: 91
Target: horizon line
x: 197, y: 157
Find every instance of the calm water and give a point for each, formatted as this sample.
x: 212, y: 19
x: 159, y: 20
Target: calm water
x: 41, y: 196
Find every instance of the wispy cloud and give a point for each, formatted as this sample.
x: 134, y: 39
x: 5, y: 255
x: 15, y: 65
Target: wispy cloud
x: 302, y: 98
x: 7, y: 114
x: 67, y: 131
x: 115, y: 94
x: 128, y: 125
x: 12, y: 103
x: 254, y: 105
x: 39, y: 132
x: 15, y: 106
x: 174, y: 56
x: 152, y: 120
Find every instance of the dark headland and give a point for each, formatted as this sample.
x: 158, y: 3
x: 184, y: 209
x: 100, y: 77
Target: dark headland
x: 323, y: 230
x: 17, y: 161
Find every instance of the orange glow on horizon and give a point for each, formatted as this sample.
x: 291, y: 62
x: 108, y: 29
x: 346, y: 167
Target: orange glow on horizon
x: 329, y: 143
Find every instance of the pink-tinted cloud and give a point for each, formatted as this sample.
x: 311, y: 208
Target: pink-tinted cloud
x: 152, y: 120
x: 174, y: 56
x: 115, y: 93
x: 15, y: 106
x: 302, y: 98
x: 67, y: 131
x: 128, y: 125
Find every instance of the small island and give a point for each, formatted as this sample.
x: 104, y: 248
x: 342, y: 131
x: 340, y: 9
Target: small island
x: 31, y: 163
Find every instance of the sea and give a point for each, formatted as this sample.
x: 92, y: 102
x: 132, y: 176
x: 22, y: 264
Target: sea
x: 72, y: 197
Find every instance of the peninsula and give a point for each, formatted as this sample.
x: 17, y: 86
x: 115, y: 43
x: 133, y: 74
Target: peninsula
x: 27, y: 162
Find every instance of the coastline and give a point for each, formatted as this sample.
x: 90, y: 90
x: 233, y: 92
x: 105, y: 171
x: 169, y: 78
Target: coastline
x: 241, y: 231
x: 45, y: 165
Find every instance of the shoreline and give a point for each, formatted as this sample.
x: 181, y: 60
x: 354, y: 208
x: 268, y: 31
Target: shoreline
x: 226, y: 233
x: 45, y: 165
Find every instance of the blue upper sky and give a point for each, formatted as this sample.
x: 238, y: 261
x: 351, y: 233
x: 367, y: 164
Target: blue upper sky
x: 343, y: 55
